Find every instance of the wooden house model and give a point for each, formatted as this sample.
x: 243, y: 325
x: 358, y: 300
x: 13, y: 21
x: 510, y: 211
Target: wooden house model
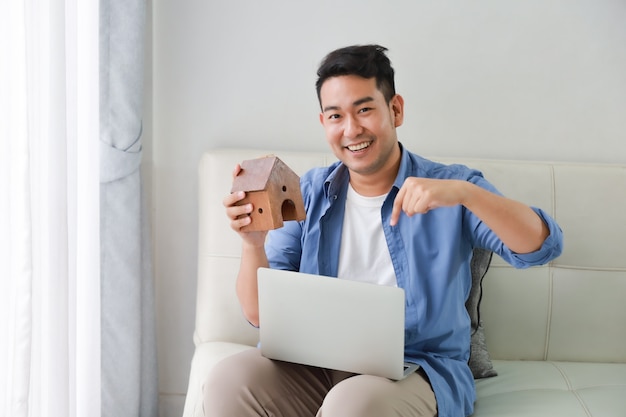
x: 274, y: 191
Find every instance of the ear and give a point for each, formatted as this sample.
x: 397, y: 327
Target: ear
x: 322, y: 118
x: 396, y: 105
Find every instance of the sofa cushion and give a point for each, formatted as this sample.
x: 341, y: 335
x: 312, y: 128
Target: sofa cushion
x: 551, y: 388
x: 479, y: 361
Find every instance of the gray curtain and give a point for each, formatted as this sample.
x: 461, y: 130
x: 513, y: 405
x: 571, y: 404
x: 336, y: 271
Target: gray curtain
x: 129, y: 368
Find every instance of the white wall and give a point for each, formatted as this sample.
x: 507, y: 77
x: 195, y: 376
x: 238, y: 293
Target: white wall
x: 518, y: 79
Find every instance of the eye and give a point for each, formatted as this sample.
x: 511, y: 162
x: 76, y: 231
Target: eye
x: 333, y: 116
x: 365, y: 109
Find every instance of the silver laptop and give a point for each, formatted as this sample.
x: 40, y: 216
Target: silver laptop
x: 332, y: 323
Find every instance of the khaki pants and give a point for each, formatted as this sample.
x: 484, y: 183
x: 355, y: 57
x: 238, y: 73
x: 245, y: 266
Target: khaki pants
x: 247, y: 384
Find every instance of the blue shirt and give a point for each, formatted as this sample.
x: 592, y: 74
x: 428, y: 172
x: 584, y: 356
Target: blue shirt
x: 431, y: 256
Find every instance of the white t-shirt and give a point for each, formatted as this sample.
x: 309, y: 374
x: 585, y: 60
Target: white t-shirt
x: 364, y: 255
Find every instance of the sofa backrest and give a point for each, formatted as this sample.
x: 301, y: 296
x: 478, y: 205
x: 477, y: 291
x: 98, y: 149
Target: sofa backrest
x: 573, y: 309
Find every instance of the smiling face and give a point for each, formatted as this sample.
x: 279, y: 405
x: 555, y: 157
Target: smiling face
x: 361, y: 130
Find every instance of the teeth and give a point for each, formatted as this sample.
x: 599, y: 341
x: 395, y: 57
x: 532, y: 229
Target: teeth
x: 359, y: 146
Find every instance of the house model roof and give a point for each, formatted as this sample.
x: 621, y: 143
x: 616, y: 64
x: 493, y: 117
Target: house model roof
x: 256, y: 173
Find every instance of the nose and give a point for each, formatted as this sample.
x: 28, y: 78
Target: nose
x: 352, y: 128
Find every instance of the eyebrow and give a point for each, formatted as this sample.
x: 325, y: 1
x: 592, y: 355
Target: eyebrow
x: 355, y: 104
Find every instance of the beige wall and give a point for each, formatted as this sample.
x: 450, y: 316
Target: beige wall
x: 517, y: 79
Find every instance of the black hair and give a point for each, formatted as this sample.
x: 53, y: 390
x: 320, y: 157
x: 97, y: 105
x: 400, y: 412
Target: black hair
x: 367, y: 61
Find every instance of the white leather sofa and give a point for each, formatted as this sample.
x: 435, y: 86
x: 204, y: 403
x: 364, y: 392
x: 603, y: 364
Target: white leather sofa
x: 556, y: 333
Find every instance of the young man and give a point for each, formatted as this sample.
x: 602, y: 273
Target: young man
x: 381, y: 208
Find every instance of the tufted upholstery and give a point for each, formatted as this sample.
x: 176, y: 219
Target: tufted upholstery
x: 556, y: 333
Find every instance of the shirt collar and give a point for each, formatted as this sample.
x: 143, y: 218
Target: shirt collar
x: 405, y: 169
x: 338, y: 176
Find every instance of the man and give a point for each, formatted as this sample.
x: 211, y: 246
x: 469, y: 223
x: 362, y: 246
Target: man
x: 381, y: 208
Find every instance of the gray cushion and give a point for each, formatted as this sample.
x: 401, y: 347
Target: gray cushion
x: 479, y: 361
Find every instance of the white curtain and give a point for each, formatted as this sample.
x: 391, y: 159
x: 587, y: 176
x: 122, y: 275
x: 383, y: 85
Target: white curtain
x: 129, y: 358
x: 49, y: 209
